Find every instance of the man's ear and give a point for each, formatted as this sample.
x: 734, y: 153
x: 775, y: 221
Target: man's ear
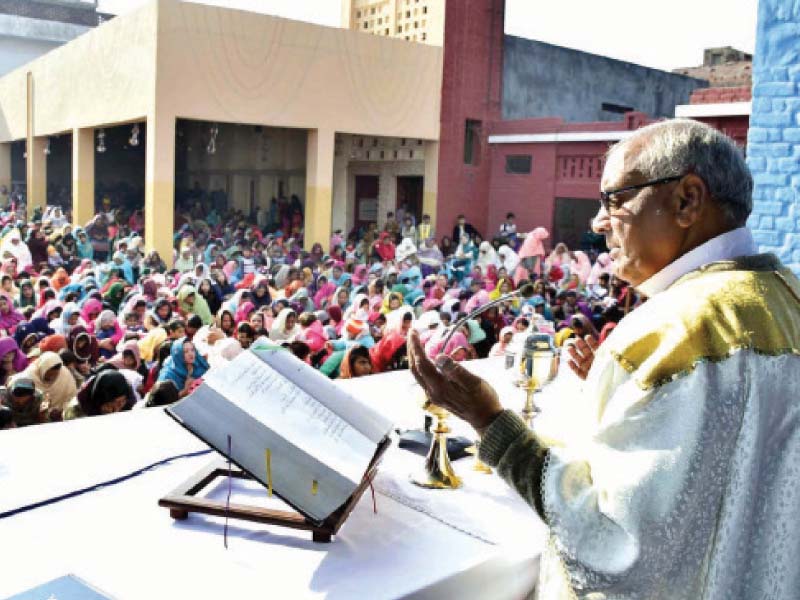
x: 690, y: 199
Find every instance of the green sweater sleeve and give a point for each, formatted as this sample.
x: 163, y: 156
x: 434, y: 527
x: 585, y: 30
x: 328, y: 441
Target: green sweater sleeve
x: 513, y: 449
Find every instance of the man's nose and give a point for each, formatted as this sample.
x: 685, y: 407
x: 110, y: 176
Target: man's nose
x: 601, y: 223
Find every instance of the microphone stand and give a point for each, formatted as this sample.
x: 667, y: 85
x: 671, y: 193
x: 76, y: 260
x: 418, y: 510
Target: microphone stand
x: 525, y: 291
x: 419, y: 441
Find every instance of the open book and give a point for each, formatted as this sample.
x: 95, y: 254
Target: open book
x: 290, y: 428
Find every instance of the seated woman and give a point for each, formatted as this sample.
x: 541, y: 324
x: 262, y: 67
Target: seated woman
x: 130, y: 364
x: 108, y: 333
x: 52, y: 380
x: 163, y: 393
x: 83, y: 345
x: 356, y: 363
x: 226, y: 322
x: 106, y: 393
x: 183, y: 367
x: 189, y: 301
x: 9, y: 316
x: 285, y: 327
x: 25, y: 402
x: 12, y: 360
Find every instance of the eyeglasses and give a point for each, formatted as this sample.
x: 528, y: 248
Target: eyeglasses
x: 609, y: 203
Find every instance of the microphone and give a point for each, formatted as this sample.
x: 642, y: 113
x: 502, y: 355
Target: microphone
x: 524, y: 291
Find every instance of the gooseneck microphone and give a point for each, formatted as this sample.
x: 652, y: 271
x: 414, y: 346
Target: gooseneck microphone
x: 524, y: 291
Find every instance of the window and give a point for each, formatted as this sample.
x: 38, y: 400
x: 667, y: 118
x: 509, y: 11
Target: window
x: 424, y: 36
x: 518, y: 164
x: 615, y: 108
x: 372, y: 11
x: 366, y: 24
x: 399, y: 29
x: 358, y: 14
x: 424, y: 10
x: 386, y: 31
x: 472, y: 141
x: 408, y: 14
x: 416, y: 24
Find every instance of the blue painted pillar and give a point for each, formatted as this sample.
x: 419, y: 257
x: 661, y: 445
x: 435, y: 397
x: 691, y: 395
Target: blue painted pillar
x: 773, y: 144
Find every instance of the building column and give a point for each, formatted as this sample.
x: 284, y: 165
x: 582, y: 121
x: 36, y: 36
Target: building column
x: 159, y: 195
x: 82, y: 176
x: 431, y: 181
x: 319, y: 187
x: 5, y: 172
x: 36, y: 174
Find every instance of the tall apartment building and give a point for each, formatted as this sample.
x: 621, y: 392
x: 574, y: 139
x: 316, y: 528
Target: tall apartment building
x: 411, y: 20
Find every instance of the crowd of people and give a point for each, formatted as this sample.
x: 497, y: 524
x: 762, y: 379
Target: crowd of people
x: 91, y: 323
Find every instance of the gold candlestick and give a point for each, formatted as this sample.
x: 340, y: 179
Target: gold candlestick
x: 438, y: 472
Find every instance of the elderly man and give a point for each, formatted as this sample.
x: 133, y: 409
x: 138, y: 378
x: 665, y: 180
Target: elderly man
x: 686, y: 484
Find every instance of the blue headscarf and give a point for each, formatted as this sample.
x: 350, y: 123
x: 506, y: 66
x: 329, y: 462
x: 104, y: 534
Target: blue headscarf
x: 175, y: 369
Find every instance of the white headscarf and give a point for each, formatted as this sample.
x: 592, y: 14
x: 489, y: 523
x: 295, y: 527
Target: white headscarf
x: 509, y: 257
x: 487, y: 255
x: 278, y: 333
x: 19, y: 251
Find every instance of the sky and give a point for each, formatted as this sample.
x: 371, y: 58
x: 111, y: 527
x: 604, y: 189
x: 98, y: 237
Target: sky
x: 664, y: 35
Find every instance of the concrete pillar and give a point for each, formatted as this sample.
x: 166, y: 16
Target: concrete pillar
x: 431, y: 182
x: 36, y: 174
x: 82, y: 176
x: 159, y: 196
x: 5, y: 173
x: 319, y: 187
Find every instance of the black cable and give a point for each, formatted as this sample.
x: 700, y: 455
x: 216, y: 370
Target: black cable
x: 97, y: 486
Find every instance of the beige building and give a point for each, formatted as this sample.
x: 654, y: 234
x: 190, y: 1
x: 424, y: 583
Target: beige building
x: 410, y: 20
x: 305, y: 92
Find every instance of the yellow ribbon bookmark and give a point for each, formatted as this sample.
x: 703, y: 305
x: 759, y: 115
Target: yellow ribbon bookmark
x: 314, y: 487
x: 269, y: 471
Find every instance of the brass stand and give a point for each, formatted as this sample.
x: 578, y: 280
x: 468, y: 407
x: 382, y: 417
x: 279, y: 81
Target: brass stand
x: 438, y: 473
x: 478, y: 465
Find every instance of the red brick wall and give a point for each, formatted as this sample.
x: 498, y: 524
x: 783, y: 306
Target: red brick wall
x: 471, y: 89
x: 716, y: 95
x: 566, y: 170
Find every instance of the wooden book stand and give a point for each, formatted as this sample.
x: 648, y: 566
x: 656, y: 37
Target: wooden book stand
x: 184, y: 500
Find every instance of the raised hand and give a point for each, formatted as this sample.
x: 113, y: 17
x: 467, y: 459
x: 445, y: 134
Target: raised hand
x: 451, y: 386
x: 582, y: 355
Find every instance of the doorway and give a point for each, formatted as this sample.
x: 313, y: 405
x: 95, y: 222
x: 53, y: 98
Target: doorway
x: 366, y: 205
x: 573, y: 221
x: 409, y: 195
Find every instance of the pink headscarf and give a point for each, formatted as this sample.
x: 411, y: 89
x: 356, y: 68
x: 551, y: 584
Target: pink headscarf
x: 93, y: 305
x: 244, y: 311
x: 12, y: 317
x: 230, y: 268
x: 533, y: 246
x: 477, y: 300
x: 603, y: 265
x: 581, y: 266
x: 323, y: 295
x: 359, y: 276
x: 434, y: 346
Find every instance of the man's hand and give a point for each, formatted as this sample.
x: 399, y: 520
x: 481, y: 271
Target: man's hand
x: 582, y: 355
x: 451, y: 386
x: 215, y: 335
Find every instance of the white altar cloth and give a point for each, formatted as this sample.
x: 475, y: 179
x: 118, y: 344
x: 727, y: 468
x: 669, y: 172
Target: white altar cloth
x: 481, y: 541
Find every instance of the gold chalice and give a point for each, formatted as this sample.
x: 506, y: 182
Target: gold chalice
x: 438, y: 472
x: 539, y: 366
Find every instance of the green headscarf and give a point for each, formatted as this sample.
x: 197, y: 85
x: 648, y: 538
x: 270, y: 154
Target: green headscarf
x: 199, y: 307
x: 113, y: 297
